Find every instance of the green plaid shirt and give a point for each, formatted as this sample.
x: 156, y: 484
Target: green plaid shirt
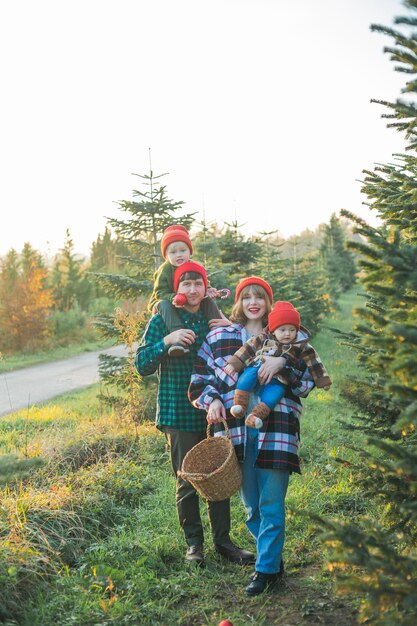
x: 173, y: 408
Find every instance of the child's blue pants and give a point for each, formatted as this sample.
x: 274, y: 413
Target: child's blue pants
x: 270, y: 394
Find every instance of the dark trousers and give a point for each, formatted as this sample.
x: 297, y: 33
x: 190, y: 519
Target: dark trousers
x: 187, y: 499
x: 172, y: 320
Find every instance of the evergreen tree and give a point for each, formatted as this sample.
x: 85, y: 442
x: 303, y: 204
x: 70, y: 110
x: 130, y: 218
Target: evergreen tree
x: 107, y: 253
x: 70, y: 286
x: 338, y: 261
x: 271, y: 266
x: 308, y: 290
x: 386, y: 340
x: 149, y: 214
x: 238, y: 254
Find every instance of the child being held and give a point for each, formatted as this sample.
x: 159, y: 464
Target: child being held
x: 176, y: 248
x: 283, y: 337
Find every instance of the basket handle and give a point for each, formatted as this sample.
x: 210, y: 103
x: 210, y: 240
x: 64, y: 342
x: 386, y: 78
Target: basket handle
x: 188, y: 476
x: 225, y: 427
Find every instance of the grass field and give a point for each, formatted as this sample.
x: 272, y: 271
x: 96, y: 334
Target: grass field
x: 91, y: 537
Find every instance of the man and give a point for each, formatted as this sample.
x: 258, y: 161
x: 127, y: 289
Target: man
x: 185, y: 426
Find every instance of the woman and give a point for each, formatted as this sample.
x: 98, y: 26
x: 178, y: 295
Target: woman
x: 268, y: 455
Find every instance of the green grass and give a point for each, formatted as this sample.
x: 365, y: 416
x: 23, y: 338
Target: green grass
x: 18, y: 361
x: 92, y: 537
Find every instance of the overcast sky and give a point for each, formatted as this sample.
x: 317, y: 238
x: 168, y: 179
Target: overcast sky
x: 258, y: 109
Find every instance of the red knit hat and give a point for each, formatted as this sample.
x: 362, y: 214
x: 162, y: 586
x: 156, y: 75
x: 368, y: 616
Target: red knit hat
x: 254, y: 280
x: 283, y: 313
x: 176, y: 232
x: 189, y: 266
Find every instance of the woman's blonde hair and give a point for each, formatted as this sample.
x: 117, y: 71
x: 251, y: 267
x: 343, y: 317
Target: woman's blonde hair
x: 238, y: 315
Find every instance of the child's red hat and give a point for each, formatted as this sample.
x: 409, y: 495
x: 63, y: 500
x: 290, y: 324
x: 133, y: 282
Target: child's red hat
x: 283, y: 313
x: 176, y: 232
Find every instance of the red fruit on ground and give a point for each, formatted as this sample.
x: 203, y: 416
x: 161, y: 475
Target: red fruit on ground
x: 225, y: 622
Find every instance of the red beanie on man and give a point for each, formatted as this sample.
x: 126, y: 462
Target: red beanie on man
x: 283, y: 313
x: 189, y: 266
x: 254, y: 280
x: 176, y: 232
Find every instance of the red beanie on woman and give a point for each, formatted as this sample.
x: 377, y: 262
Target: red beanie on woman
x: 254, y: 280
x: 176, y: 232
x: 189, y: 266
x: 283, y: 313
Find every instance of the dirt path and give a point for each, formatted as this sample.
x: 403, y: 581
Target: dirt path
x: 32, y: 385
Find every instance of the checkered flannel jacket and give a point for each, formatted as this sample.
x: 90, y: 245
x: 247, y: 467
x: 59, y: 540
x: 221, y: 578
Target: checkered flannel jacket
x: 173, y: 407
x: 300, y: 349
x: 279, y: 436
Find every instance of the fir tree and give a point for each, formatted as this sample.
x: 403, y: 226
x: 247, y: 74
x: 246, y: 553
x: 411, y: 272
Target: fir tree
x: 69, y: 283
x: 149, y: 213
x: 338, y: 261
x: 107, y: 253
x: 386, y: 340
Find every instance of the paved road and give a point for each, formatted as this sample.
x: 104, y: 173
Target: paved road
x: 29, y: 386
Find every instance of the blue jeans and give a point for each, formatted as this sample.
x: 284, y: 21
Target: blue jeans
x: 270, y: 394
x: 263, y: 494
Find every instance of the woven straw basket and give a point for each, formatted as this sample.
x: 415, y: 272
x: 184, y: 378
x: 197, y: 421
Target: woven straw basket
x: 212, y: 467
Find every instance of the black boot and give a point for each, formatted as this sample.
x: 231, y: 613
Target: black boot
x: 233, y: 553
x: 195, y: 555
x: 260, y: 582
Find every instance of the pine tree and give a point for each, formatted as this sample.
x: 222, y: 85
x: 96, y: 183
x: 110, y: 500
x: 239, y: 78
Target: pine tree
x: 69, y: 284
x: 107, y: 253
x: 386, y: 340
x: 338, y: 261
x: 149, y: 213
x: 308, y: 290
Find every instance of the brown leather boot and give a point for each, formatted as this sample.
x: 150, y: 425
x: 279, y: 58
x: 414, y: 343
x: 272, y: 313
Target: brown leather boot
x: 259, y: 413
x: 241, y: 401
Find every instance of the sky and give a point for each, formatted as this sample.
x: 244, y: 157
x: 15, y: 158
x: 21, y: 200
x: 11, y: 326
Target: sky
x: 258, y: 110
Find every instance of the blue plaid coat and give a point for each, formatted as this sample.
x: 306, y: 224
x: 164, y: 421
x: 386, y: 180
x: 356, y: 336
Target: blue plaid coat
x: 279, y: 436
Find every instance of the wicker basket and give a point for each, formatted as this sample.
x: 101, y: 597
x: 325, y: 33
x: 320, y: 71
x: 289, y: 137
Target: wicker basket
x: 212, y: 467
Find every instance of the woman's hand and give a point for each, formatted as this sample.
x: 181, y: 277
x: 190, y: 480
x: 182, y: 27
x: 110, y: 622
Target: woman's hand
x: 271, y: 366
x: 216, y: 412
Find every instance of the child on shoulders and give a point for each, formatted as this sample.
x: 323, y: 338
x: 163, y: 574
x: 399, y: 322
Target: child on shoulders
x: 177, y: 248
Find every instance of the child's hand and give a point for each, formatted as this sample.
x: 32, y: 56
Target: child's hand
x: 230, y: 370
x: 179, y: 300
x: 271, y: 365
x: 212, y: 293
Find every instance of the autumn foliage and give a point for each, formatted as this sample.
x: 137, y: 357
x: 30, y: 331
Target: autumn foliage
x: 25, y: 301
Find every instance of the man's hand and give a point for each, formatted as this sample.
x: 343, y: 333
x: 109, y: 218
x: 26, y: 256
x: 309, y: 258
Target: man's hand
x: 216, y: 412
x: 271, y: 366
x: 184, y: 336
